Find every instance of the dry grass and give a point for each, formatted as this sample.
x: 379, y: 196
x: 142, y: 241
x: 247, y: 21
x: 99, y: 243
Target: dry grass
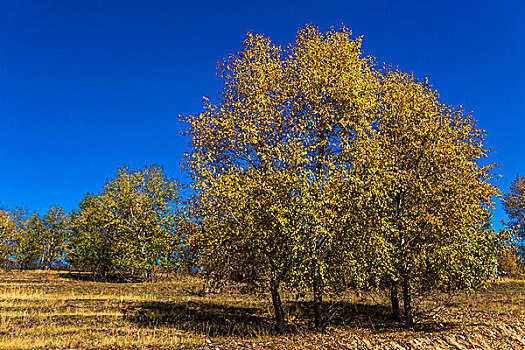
x: 42, y: 310
x: 51, y: 310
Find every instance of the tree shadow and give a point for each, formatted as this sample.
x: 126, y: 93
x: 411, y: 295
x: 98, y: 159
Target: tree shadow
x: 207, y: 318
x: 346, y: 315
x: 372, y: 317
x: 110, y: 277
x: 216, y: 320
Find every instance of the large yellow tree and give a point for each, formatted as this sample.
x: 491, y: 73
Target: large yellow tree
x: 315, y: 168
x: 267, y: 158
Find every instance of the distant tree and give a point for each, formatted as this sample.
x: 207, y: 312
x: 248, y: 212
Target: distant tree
x: 186, y: 258
x: 11, y: 224
x: 41, y: 241
x: 143, y: 203
x: 510, y: 262
x: 130, y: 225
x: 514, y: 206
x: 55, y: 235
x: 6, y: 223
x: 29, y: 248
x: 93, y: 231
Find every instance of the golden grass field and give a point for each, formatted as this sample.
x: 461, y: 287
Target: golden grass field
x: 54, y: 310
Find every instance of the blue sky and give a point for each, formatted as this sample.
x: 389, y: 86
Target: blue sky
x: 87, y: 86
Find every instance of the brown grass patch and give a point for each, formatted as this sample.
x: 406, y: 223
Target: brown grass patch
x: 43, y: 310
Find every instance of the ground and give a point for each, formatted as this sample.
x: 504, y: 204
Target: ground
x: 58, y: 310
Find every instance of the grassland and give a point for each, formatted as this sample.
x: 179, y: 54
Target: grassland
x: 48, y: 310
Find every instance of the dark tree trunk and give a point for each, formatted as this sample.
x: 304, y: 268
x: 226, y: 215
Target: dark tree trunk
x: 102, y: 273
x: 50, y: 256
x: 277, y: 306
x: 317, y: 280
x: 318, y: 300
x: 407, y: 300
x: 395, y: 301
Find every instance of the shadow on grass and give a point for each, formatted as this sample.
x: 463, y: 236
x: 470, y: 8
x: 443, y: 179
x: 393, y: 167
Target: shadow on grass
x: 205, y: 318
x: 110, y: 277
x: 215, y: 320
x: 376, y: 318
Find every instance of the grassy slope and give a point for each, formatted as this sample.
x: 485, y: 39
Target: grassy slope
x: 51, y: 310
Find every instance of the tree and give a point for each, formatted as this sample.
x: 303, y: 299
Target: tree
x: 334, y: 95
x: 92, y: 236
x: 130, y: 225
x: 11, y: 224
x: 267, y: 158
x: 514, y: 206
x: 55, y: 234
x: 314, y: 168
x: 142, y: 201
x: 510, y: 262
x: 30, y: 244
x: 40, y: 242
x: 436, y: 221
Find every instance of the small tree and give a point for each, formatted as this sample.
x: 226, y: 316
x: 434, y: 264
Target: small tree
x: 130, y: 225
x: 142, y: 203
x: 91, y: 245
x: 510, y: 262
x: 514, y: 206
x: 11, y: 224
x: 55, y: 234
x: 30, y: 244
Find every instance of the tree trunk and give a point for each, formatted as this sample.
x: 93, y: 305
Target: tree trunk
x: 395, y: 301
x: 103, y: 273
x: 277, y: 306
x: 318, y: 300
x: 407, y: 300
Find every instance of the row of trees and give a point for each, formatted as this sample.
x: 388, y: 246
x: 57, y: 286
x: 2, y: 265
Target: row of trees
x: 129, y: 226
x: 33, y: 242
x: 316, y: 169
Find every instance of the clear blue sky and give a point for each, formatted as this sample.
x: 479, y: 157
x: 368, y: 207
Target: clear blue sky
x: 87, y: 86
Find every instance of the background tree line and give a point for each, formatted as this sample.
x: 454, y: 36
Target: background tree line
x: 129, y: 227
x: 31, y: 242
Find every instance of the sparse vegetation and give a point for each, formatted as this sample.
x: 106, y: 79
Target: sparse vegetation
x: 50, y: 310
